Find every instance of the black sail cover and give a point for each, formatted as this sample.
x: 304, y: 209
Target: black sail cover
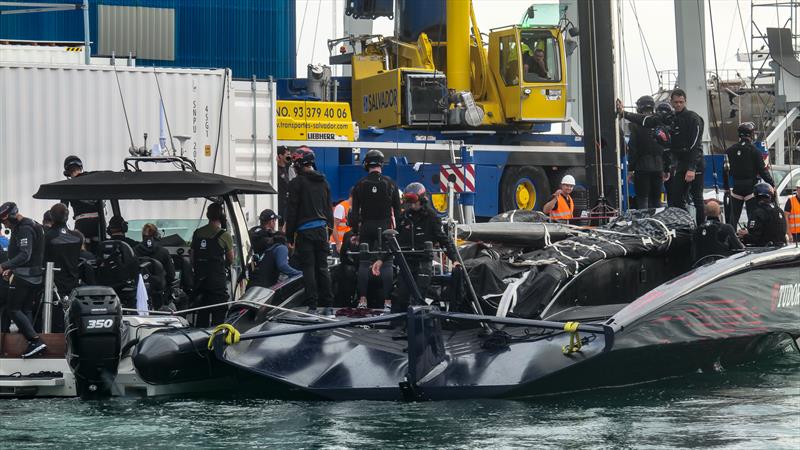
x: 531, y: 279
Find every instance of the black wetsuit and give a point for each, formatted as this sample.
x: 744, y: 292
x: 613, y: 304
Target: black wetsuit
x: 63, y: 247
x: 646, y: 160
x: 766, y: 227
x: 415, y: 229
x: 715, y: 238
x: 25, y: 260
x: 149, y: 248
x: 86, y: 214
x: 376, y: 207
x: 745, y: 165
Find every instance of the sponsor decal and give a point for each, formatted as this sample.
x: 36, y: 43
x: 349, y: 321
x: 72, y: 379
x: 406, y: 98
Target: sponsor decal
x: 788, y: 295
x: 380, y: 100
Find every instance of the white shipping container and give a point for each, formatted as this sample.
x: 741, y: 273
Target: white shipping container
x: 50, y: 111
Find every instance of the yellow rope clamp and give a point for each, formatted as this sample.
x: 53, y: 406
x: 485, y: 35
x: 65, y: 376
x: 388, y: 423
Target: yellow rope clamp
x: 232, y: 335
x: 574, y: 338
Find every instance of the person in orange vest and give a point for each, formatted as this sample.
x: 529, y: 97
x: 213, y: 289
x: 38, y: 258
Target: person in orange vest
x: 340, y: 217
x: 792, y: 209
x: 560, y: 207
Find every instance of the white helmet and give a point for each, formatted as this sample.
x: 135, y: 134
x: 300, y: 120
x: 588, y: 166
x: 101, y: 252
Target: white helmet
x: 568, y: 179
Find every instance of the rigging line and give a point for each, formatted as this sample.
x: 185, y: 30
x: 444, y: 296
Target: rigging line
x: 166, y: 117
x: 718, y: 115
x: 124, y: 109
x: 430, y: 111
x: 730, y: 35
x: 644, y: 39
x: 626, y: 75
x: 744, y: 36
x: 302, y: 26
x: 644, y: 55
x: 316, y: 28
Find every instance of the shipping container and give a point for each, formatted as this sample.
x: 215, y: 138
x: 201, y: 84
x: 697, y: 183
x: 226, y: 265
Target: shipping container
x: 251, y: 37
x: 50, y: 111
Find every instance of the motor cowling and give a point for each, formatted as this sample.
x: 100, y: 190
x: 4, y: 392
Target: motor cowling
x: 94, y: 336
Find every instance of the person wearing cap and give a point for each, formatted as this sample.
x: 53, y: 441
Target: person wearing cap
x: 376, y: 207
x: 22, y: 273
x: 62, y: 247
x: 766, y: 227
x: 560, y: 207
x: 713, y: 237
x: 309, y: 217
x: 86, y: 213
x: 117, y: 228
x: 211, y: 254
x: 792, y: 210
x: 270, y: 253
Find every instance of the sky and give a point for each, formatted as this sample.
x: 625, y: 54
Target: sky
x: 320, y: 20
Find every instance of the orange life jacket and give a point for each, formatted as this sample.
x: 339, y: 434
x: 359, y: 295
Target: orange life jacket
x: 794, y: 215
x: 340, y: 227
x: 564, y: 208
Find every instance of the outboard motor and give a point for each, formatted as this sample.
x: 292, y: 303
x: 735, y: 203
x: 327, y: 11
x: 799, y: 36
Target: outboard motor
x: 94, y: 336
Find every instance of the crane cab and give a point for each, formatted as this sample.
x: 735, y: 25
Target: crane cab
x: 529, y: 64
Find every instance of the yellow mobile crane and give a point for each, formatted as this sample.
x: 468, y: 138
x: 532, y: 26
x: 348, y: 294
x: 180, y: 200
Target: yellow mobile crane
x: 517, y: 79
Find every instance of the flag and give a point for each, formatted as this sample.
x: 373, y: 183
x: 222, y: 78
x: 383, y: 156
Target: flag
x: 141, y: 297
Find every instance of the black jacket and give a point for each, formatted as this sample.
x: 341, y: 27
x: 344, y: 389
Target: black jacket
x: 63, y: 247
x: 88, y: 226
x: 686, y: 137
x: 309, y: 199
x: 284, y: 176
x: 644, y: 153
x: 125, y: 239
x: 715, y: 238
x: 745, y: 163
x: 417, y: 227
x: 766, y: 227
x: 150, y: 248
x: 26, y: 251
x: 375, y: 199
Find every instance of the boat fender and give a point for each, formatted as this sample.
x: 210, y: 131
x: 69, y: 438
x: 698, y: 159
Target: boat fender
x: 232, y: 335
x: 575, y: 343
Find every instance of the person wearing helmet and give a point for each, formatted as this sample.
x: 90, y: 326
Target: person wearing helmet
x: 766, y: 227
x: 419, y: 224
x: 270, y: 254
x: 646, y: 159
x: 744, y: 164
x: 376, y: 207
x: 62, y: 247
x: 792, y: 210
x: 22, y: 273
x: 86, y: 213
x: 685, y: 155
x: 560, y: 207
x: 211, y: 254
x: 308, y: 218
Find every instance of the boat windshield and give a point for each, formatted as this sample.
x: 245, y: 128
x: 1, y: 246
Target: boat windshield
x: 172, y: 217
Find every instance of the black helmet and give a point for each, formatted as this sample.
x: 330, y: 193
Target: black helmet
x: 8, y: 209
x: 303, y: 156
x: 645, y: 103
x: 762, y: 190
x: 665, y: 112
x: 118, y: 223
x: 373, y: 158
x: 72, y: 161
x: 415, y: 192
x: 746, y: 130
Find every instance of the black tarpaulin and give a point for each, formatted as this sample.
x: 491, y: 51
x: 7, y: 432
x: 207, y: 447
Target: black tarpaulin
x: 160, y: 185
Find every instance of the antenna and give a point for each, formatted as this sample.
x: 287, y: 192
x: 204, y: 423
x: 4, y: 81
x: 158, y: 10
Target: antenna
x: 166, y: 117
x: 182, y: 140
x: 124, y: 110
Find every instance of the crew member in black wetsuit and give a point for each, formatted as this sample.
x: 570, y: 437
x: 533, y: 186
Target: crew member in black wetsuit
x: 211, y: 254
x: 270, y: 253
x: 22, y: 272
x: 285, y: 174
x: 685, y: 131
x: 150, y: 248
x: 117, y: 227
x: 86, y: 213
x: 646, y: 159
x: 766, y: 227
x: 376, y: 207
x: 62, y: 246
x: 419, y: 224
x: 309, y: 218
x: 714, y: 237
x: 743, y: 163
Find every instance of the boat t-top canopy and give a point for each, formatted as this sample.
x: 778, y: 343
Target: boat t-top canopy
x: 156, y: 185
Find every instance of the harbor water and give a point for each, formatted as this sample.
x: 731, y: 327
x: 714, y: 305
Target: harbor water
x: 754, y: 406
